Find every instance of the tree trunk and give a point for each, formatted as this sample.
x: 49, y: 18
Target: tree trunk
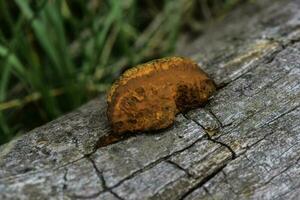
x: 244, y: 144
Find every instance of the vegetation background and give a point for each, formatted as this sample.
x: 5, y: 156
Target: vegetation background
x: 57, y: 54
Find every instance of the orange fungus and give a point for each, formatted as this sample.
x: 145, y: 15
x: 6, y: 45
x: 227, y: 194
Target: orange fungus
x: 149, y: 96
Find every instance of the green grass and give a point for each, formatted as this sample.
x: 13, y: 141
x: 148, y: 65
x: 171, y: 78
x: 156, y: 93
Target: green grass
x: 57, y: 54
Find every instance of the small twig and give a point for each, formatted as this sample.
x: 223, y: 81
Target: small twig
x: 17, y: 103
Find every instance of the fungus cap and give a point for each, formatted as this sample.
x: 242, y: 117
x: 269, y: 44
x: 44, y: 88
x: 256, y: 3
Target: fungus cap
x: 149, y: 96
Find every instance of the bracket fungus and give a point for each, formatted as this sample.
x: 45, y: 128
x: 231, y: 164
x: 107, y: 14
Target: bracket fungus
x: 149, y: 96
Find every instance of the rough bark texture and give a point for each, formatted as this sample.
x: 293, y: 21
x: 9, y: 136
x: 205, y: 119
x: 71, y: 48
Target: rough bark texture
x: 244, y: 144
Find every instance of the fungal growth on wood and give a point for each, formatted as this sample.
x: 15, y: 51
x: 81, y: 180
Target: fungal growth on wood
x: 149, y: 96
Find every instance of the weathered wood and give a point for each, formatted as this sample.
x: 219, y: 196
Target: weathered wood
x: 244, y: 144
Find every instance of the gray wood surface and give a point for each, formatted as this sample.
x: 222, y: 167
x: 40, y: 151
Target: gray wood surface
x: 244, y: 144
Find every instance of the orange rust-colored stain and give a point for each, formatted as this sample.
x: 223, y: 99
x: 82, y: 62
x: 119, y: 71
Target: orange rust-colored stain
x: 149, y: 96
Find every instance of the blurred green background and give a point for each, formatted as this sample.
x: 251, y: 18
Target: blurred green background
x: 57, y: 54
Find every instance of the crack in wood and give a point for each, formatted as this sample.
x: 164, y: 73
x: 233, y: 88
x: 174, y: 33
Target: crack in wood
x: 65, y: 180
x: 282, y: 172
x: 154, y: 163
x: 234, y: 156
x: 203, y: 181
x: 228, y: 183
x: 207, y: 192
x: 208, y: 137
x: 180, y: 168
x: 103, y: 183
